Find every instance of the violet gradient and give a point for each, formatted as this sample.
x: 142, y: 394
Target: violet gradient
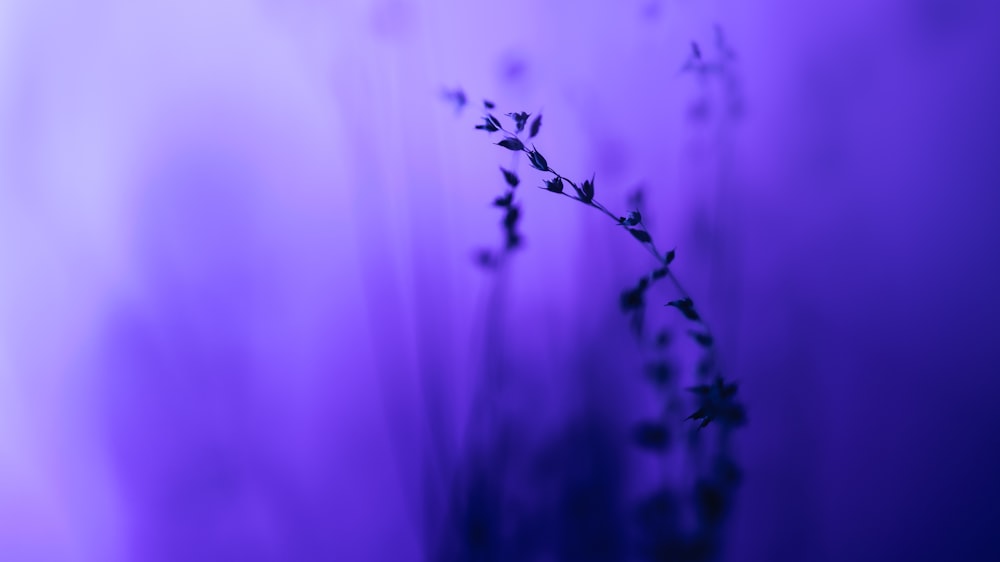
x: 239, y: 318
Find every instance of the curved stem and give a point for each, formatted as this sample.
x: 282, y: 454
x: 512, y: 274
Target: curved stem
x: 650, y: 245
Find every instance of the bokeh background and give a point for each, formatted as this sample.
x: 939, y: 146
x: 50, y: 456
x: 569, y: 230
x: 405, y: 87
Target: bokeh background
x: 240, y: 318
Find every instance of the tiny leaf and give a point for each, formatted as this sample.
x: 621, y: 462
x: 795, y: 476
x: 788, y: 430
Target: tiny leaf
x: 659, y: 273
x: 588, y: 190
x: 504, y: 201
x: 670, y: 257
x: 512, y: 143
x: 511, y: 218
x: 488, y: 104
x: 510, y: 177
x: 536, y: 125
x: 640, y: 235
x: 633, y: 299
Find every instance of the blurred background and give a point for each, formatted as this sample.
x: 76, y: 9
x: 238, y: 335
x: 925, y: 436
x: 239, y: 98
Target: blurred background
x: 241, y: 319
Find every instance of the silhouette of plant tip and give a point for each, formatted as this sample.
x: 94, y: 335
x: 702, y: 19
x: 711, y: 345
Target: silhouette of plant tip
x: 488, y: 104
x: 537, y: 160
x: 686, y: 306
x: 634, y: 218
x: 520, y: 119
x: 510, y: 177
x: 512, y: 143
x: 536, y: 125
x: 695, y: 50
x: 659, y: 273
x: 555, y: 185
x: 652, y: 436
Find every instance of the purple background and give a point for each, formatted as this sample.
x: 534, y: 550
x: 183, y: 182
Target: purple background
x: 238, y: 310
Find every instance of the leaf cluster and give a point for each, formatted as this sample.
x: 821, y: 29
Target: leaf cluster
x: 717, y: 403
x: 633, y: 300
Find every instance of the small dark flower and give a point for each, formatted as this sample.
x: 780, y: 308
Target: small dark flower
x: 537, y: 160
x: 554, y: 185
x: 520, y: 119
x: 587, y: 190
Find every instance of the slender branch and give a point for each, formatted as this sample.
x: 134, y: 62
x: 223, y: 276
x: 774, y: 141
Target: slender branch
x: 650, y: 246
x: 715, y: 399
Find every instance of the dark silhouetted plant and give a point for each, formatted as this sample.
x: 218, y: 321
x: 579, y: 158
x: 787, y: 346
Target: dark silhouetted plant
x: 677, y: 521
x: 633, y: 301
